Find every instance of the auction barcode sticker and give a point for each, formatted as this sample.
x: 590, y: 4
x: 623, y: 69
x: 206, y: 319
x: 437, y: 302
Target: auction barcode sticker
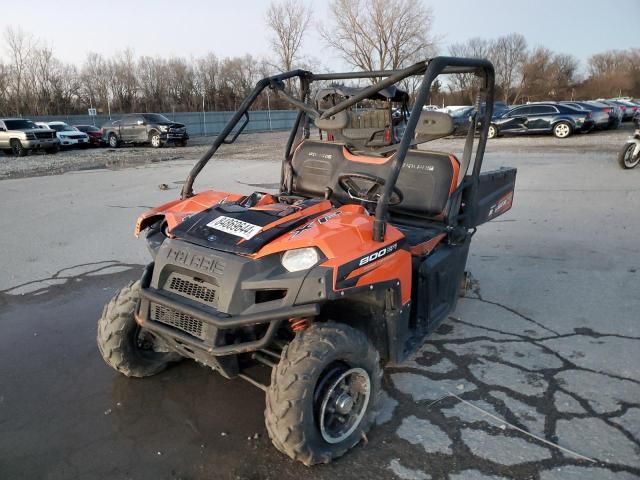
x: 235, y: 227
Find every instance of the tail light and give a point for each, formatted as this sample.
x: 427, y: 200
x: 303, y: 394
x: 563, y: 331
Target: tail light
x: 387, y: 135
x: 607, y: 110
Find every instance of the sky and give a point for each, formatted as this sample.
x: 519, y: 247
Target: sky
x: 192, y: 28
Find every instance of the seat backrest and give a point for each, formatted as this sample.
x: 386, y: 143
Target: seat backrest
x: 426, y: 180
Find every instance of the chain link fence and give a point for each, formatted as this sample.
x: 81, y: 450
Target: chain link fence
x: 198, y: 123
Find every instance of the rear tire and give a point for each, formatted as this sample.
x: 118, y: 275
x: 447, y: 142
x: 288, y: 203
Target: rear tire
x: 328, y: 373
x: 154, y: 139
x: 124, y: 345
x: 562, y: 130
x: 17, y: 148
x: 626, y: 159
x: 113, y: 141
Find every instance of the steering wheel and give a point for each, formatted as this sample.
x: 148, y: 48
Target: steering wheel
x: 367, y: 188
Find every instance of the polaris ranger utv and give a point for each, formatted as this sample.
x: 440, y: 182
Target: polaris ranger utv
x: 347, y: 268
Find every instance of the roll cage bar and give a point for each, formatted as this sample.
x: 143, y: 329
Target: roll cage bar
x: 430, y: 69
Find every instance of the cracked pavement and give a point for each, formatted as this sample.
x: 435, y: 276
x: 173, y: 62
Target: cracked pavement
x: 534, y: 376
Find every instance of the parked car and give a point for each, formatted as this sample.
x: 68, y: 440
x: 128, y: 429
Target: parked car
x: 150, y: 128
x: 617, y: 108
x: 499, y: 108
x: 603, y: 115
x: 462, y: 116
x: 68, y: 135
x: 561, y: 120
x: 94, y: 134
x: 18, y: 136
x: 630, y: 107
x: 625, y: 115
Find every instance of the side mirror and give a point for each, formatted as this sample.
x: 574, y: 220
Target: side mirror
x: 2, y: 129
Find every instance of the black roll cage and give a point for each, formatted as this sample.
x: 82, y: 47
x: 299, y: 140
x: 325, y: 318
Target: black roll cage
x: 430, y: 69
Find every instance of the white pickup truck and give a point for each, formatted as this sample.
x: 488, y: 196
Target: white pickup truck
x: 18, y: 136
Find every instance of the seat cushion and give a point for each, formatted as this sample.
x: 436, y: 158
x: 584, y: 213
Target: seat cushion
x: 426, y: 180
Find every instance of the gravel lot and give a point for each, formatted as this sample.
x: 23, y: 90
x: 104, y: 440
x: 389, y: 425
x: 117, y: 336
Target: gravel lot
x: 548, y: 342
x: 269, y: 146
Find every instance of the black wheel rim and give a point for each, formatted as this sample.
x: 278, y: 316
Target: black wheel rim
x: 341, y: 400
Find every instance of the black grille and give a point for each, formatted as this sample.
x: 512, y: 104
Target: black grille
x: 76, y: 137
x: 199, y: 291
x: 176, y: 319
x: 42, y: 135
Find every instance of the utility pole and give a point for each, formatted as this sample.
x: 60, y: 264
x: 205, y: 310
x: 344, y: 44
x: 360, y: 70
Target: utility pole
x: 269, y: 110
x: 204, y: 116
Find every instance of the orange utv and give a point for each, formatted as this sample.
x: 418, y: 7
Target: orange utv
x: 347, y: 268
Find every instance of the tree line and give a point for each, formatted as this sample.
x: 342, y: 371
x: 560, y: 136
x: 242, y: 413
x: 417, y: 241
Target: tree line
x: 524, y: 74
x: 366, y: 34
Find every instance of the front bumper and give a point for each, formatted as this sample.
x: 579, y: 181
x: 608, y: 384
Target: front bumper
x: 174, y: 137
x: 69, y: 142
x: 214, y: 324
x: 39, y: 143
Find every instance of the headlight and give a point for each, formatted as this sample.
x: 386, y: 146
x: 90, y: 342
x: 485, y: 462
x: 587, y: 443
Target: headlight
x: 63, y: 136
x: 300, y: 259
x: 163, y: 128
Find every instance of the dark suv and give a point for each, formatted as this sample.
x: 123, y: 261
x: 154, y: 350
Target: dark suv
x: 561, y: 120
x: 151, y: 128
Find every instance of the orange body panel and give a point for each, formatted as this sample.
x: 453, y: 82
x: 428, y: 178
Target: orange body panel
x: 347, y: 235
x: 176, y: 210
x: 343, y: 235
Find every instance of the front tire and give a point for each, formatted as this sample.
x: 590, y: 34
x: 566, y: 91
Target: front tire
x: 493, y: 132
x: 154, y: 139
x: 626, y: 158
x: 113, y: 141
x: 124, y: 345
x: 323, y: 393
x: 18, y: 149
x: 562, y: 130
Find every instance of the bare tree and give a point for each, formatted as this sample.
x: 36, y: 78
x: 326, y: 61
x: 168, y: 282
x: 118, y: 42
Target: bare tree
x: 288, y: 21
x: 509, y: 54
x: 380, y: 34
x: 19, y: 45
x: 465, y: 83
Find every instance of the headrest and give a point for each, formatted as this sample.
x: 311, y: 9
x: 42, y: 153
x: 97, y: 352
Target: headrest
x: 335, y: 122
x: 434, y: 124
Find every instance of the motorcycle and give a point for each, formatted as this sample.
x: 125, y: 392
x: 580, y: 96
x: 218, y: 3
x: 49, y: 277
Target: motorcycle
x: 629, y: 156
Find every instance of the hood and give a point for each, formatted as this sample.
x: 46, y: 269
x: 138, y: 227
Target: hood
x: 31, y: 130
x: 242, y: 229
x: 171, y: 124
